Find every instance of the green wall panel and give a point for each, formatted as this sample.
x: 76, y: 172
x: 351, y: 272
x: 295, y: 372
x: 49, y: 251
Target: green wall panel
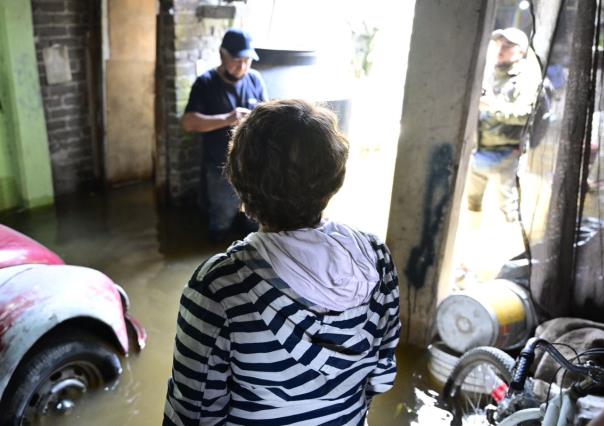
x: 25, y: 173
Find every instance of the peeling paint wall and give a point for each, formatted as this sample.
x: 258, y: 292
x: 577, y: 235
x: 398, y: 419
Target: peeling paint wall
x: 9, y: 195
x: 25, y: 176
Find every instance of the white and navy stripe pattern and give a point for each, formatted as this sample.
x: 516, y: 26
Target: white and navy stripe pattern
x: 249, y: 352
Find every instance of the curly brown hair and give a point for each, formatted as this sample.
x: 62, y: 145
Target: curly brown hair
x: 286, y: 160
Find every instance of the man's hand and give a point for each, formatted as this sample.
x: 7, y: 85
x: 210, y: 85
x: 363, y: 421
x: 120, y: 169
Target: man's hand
x: 197, y: 122
x: 238, y: 114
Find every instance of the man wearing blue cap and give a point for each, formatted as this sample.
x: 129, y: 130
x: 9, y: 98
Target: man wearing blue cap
x: 219, y: 99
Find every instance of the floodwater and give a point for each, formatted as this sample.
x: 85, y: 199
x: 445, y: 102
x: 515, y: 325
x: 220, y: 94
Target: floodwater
x: 152, y: 252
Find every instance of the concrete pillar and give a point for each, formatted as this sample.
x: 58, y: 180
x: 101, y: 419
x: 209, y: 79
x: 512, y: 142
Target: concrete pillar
x: 440, y: 111
x: 25, y: 175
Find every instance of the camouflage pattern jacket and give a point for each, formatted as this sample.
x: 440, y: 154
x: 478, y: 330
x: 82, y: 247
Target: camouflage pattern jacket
x: 509, y: 95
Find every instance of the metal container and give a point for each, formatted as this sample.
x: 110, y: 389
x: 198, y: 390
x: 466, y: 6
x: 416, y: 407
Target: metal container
x: 497, y: 313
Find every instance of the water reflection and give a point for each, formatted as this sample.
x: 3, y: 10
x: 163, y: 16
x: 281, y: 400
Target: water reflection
x: 152, y: 253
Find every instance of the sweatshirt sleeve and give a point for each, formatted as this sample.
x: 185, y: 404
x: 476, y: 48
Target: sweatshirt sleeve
x: 198, y: 392
x: 382, y: 377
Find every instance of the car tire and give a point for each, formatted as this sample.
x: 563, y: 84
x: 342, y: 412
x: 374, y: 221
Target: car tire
x: 54, y: 377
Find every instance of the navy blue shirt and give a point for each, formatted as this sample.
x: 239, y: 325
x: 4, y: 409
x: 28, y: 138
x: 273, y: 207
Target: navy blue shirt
x: 211, y: 95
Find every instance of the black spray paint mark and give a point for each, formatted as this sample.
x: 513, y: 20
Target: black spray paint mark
x: 437, y: 195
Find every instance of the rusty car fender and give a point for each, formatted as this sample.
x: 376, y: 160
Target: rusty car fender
x: 34, y: 299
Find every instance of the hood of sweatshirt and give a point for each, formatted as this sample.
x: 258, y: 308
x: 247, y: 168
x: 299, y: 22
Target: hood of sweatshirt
x: 332, y: 266
x: 323, y: 293
x: 347, y: 273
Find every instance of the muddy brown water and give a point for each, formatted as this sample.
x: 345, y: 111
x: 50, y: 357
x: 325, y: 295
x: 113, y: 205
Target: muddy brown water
x: 152, y: 252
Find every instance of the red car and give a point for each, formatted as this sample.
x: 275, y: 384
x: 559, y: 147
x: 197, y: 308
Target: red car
x: 61, y: 330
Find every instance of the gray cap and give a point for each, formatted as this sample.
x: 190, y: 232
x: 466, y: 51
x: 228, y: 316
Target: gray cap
x: 514, y: 36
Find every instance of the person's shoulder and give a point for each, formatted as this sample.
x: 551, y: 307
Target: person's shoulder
x: 376, y: 242
x: 255, y: 75
x: 210, y: 271
x: 205, y: 78
x: 385, y: 264
x: 220, y: 275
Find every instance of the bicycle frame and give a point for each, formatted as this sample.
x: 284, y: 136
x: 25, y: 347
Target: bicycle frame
x: 560, y: 411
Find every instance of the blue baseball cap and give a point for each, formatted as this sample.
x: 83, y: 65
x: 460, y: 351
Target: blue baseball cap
x: 239, y: 44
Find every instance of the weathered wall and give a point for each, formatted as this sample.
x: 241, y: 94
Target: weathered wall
x: 25, y: 179
x: 66, y: 23
x: 130, y: 138
x: 188, y: 43
x: 553, y: 285
x: 439, y: 109
x: 9, y: 191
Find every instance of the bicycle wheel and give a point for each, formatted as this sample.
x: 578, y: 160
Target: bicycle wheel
x: 479, y: 379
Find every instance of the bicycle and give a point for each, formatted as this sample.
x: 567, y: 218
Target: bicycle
x: 488, y: 387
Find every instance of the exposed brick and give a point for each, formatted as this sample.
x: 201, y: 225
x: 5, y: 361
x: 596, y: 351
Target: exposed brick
x: 52, y: 126
x: 77, y: 30
x: 58, y: 89
x: 216, y: 12
x: 186, y: 18
x: 48, y: 6
x: 54, y: 18
x: 185, y: 5
x: 75, y: 66
x: 80, y: 75
x: 73, y: 100
x: 73, y: 42
x: 51, y: 102
x: 187, y: 44
x: 49, y: 31
x: 66, y: 134
x: 77, y: 122
x: 77, y: 5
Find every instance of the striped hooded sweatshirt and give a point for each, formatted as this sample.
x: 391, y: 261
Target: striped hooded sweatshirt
x: 283, y: 329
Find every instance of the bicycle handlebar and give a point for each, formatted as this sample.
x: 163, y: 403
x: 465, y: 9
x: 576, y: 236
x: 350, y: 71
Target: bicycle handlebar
x: 527, y: 355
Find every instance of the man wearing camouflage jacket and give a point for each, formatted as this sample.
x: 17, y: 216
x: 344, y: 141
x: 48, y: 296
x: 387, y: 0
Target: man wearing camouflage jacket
x: 509, y: 93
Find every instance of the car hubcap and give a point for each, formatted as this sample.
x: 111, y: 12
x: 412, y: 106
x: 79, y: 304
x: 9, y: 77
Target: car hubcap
x: 60, y: 392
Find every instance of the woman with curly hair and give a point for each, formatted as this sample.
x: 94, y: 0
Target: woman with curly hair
x: 298, y: 323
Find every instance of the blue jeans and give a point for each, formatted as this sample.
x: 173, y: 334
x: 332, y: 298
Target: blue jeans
x: 499, y: 167
x: 223, y: 202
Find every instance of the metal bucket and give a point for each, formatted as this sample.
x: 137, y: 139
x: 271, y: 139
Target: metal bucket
x: 497, y: 313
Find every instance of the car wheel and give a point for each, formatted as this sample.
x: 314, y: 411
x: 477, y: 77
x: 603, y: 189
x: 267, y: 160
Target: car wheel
x: 52, y: 380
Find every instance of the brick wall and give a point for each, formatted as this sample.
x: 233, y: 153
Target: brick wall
x: 184, y: 39
x: 66, y: 22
